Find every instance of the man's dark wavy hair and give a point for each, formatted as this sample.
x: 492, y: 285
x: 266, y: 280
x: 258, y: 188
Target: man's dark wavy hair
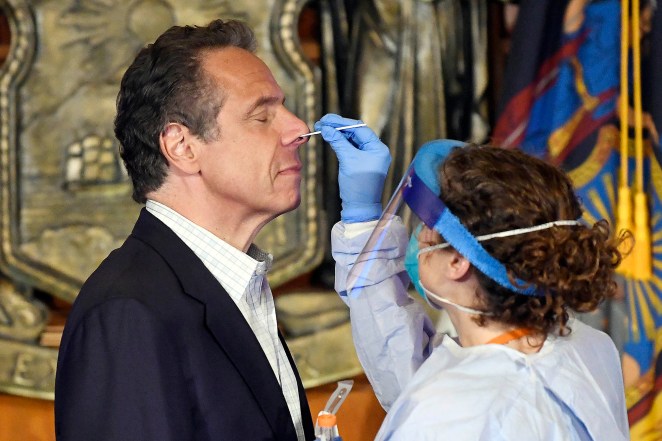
x: 166, y: 83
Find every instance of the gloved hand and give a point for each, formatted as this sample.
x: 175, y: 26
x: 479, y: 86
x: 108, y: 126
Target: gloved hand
x: 363, y: 162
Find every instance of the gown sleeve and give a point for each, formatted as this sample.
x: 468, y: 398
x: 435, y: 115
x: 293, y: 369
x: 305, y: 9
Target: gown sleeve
x: 391, y: 331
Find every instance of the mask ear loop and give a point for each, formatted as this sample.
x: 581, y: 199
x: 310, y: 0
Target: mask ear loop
x: 545, y: 226
x: 437, y: 297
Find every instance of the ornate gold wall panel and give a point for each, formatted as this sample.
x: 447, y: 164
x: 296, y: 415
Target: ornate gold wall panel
x: 65, y: 198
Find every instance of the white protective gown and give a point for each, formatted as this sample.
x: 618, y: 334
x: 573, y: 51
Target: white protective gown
x: 434, y: 389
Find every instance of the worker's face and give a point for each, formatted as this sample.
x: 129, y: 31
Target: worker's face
x: 428, y: 263
x: 441, y: 270
x: 253, y: 165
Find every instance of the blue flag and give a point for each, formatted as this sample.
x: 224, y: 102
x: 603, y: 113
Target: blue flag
x: 560, y: 104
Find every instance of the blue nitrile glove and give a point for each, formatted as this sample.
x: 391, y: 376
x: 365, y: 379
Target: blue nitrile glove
x: 363, y: 162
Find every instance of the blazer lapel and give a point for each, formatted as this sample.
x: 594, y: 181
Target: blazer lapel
x: 224, y: 321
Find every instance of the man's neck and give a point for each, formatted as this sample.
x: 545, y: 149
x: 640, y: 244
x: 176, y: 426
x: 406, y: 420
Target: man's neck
x: 228, y: 224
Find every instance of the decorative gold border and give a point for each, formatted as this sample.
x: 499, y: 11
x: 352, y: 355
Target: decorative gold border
x: 21, y: 51
x: 286, y: 46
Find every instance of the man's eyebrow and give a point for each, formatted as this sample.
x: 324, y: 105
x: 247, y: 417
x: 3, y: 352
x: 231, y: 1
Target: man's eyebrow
x: 265, y: 100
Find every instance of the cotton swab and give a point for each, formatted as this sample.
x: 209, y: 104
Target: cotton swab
x: 353, y: 126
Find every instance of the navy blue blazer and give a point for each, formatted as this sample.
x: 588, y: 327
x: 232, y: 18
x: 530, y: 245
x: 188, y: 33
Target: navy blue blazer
x: 155, y: 349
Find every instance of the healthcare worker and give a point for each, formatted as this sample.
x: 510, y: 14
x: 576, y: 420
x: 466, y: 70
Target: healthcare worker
x: 496, y: 241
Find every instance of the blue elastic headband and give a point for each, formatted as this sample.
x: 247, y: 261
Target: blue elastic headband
x: 433, y: 212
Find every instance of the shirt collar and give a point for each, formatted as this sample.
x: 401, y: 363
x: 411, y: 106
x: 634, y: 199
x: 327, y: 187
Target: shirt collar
x: 232, y: 268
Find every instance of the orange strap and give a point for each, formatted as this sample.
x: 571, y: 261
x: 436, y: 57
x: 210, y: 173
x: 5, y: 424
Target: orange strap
x: 509, y: 336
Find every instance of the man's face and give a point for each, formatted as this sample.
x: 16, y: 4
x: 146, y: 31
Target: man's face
x: 253, y: 166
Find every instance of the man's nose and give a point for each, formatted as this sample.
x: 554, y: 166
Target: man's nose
x: 295, y: 130
x: 300, y: 140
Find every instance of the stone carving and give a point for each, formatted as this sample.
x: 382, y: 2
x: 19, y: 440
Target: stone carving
x: 20, y: 317
x: 26, y: 369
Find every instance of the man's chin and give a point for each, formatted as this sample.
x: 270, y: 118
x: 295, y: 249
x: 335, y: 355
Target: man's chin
x: 291, y: 205
x: 295, y: 203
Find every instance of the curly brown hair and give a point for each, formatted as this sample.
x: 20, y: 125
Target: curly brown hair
x: 491, y: 189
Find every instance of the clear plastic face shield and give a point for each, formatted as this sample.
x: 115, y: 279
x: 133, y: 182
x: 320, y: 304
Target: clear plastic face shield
x: 416, y: 204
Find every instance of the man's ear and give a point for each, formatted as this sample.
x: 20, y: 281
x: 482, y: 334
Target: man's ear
x: 177, y: 145
x: 457, y: 266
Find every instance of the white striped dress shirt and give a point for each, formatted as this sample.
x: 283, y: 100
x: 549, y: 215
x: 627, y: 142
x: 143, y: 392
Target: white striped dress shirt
x: 243, y: 275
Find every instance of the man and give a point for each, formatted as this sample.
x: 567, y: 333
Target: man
x: 174, y: 336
